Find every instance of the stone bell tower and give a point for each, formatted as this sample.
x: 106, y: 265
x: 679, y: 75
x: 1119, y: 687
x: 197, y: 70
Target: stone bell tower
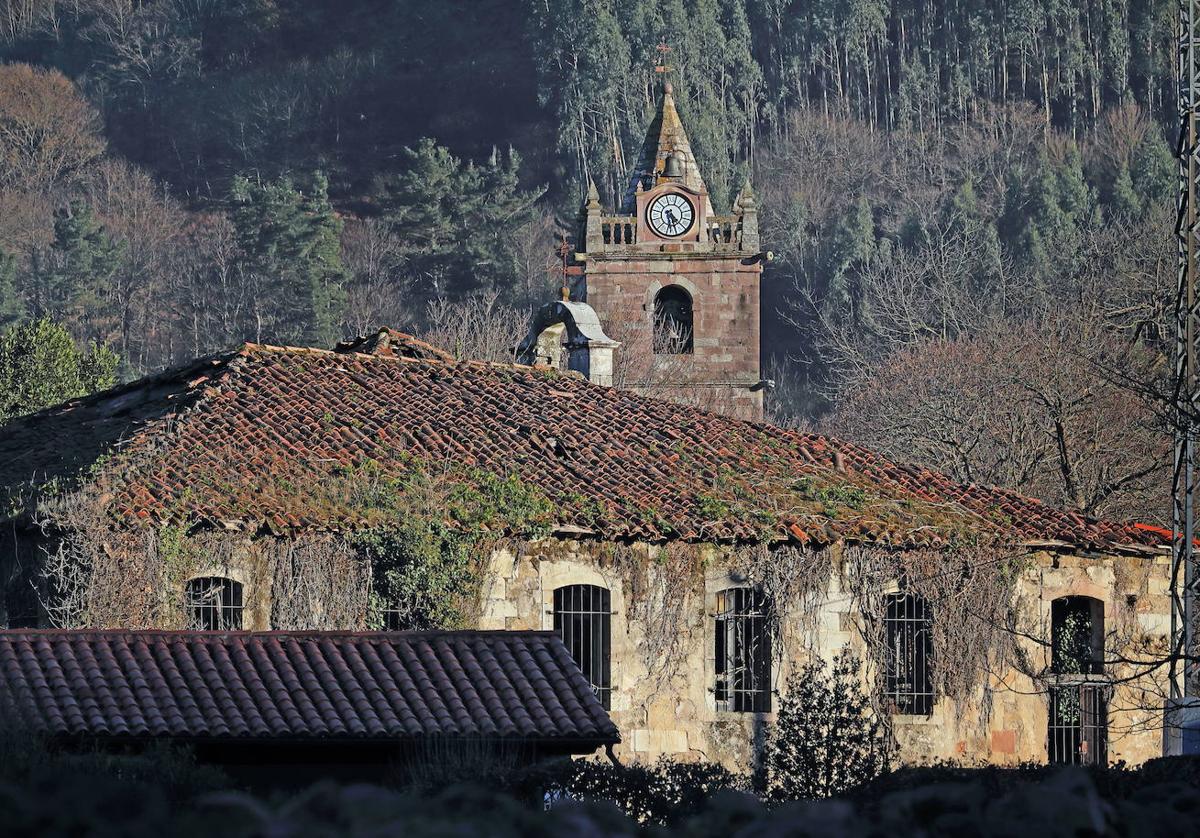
x: 676, y: 284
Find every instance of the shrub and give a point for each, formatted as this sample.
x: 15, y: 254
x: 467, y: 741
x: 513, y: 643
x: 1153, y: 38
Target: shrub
x: 826, y: 738
x: 662, y: 793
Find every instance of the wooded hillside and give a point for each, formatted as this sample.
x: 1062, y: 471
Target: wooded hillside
x: 969, y: 200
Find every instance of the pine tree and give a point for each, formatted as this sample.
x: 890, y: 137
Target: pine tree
x: 852, y: 244
x: 74, y: 279
x: 826, y: 739
x: 1123, y: 197
x: 458, y: 219
x: 290, y: 252
x: 1153, y: 171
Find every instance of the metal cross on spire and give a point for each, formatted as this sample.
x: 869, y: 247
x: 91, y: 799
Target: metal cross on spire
x: 664, y: 51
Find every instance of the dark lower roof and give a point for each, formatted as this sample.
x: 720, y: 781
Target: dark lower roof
x: 518, y: 686
x: 299, y: 439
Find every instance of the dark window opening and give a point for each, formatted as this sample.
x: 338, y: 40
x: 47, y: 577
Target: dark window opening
x: 673, y: 322
x: 1078, y: 729
x: 583, y: 619
x: 743, y: 651
x: 1077, y: 732
x: 908, y: 628
x: 1077, y: 636
x: 22, y: 603
x: 214, y: 603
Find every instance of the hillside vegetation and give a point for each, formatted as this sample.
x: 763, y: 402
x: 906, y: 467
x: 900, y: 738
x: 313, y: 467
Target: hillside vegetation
x: 970, y: 201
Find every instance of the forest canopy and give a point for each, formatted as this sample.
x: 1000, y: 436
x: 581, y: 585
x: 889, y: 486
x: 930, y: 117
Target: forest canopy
x: 936, y: 178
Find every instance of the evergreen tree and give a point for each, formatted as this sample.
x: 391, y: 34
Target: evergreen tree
x: 1123, y: 197
x: 290, y: 251
x: 12, y: 308
x: 826, y: 739
x: 851, y: 245
x: 458, y: 219
x: 74, y: 278
x: 40, y: 366
x: 1153, y: 171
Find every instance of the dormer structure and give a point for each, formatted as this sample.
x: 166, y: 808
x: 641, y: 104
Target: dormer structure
x: 677, y: 284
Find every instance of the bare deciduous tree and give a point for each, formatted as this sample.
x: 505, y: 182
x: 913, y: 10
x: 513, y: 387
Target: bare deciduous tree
x: 479, y: 328
x: 47, y: 130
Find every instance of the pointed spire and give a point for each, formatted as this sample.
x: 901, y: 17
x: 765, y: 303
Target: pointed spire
x: 593, y: 195
x: 664, y: 136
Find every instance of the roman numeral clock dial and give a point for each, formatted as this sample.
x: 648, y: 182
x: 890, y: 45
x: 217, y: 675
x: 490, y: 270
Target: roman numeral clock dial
x: 670, y: 215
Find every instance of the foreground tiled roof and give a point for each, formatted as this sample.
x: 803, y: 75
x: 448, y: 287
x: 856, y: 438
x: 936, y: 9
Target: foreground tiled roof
x: 291, y: 438
x: 280, y: 685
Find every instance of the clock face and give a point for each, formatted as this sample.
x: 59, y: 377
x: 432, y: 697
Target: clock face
x: 670, y: 215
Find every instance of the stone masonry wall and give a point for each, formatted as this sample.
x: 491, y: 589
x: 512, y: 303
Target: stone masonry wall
x: 667, y: 706
x: 726, y: 316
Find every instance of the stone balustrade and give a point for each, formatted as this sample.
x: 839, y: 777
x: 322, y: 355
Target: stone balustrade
x: 722, y: 233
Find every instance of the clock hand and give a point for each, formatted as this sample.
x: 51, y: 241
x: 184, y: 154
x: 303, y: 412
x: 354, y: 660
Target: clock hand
x: 670, y: 217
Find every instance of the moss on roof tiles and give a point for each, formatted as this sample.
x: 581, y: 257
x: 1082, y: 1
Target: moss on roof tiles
x: 271, y: 434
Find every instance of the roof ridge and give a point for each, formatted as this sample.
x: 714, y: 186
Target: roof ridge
x: 314, y: 633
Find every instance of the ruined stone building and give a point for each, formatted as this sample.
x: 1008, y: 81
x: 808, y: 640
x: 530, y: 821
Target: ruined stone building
x: 690, y: 561
x: 670, y: 280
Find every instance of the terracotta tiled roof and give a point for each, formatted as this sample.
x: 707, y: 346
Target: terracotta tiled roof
x: 278, y: 437
x: 281, y: 685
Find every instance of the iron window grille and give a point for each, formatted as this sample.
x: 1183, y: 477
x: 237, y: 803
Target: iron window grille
x: 583, y: 619
x: 908, y: 629
x: 743, y: 651
x: 215, y: 604
x: 1077, y: 733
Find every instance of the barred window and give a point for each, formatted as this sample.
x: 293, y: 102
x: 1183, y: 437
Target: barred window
x: 214, y: 603
x: 583, y: 619
x: 1077, y: 733
x: 743, y: 651
x: 908, y: 629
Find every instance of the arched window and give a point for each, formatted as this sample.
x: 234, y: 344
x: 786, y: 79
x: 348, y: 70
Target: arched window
x: 583, y: 619
x: 1077, y: 636
x: 1077, y: 732
x: 673, y: 321
x: 743, y: 651
x: 214, y: 603
x: 908, y: 673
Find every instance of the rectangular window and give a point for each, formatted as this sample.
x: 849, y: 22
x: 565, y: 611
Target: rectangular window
x: 908, y: 630
x: 215, y: 604
x: 743, y: 651
x: 583, y: 619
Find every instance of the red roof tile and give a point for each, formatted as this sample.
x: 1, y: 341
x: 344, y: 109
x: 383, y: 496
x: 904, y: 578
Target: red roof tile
x: 285, y: 685
x: 273, y: 435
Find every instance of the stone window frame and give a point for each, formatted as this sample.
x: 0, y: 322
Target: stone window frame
x: 714, y: 586
x: 1085, y: 695
x: 555, y: 574
x: 239, y: 594
x: 693, y: 290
